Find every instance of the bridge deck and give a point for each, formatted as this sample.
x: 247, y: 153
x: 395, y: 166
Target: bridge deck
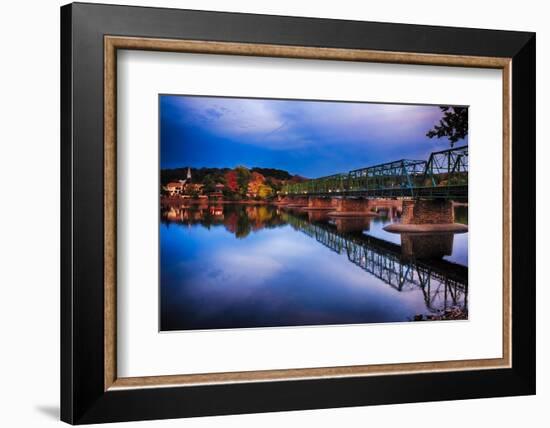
x: 444, y: 192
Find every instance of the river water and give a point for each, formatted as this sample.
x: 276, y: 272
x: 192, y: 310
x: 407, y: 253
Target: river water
x: 244, y: 266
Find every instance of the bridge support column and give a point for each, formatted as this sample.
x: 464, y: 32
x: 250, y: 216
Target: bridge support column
x: 314, y: 202
x: 427, y: 212
x: 352, y: 205
x: 391, y: 206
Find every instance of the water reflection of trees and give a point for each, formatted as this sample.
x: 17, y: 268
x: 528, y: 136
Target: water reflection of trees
x: 240, y: 220
x: 416, y: 264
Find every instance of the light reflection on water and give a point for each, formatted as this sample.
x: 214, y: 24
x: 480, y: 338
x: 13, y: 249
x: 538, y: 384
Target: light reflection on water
x: 237, y: 266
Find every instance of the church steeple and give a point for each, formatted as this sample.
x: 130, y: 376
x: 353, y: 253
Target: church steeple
x: 188, y: 174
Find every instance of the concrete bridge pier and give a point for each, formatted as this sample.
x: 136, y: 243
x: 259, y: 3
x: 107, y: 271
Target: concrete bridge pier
x: 391, y: 207
x: 352, y: 206
x: 427, y: 217
x: 435, y: 211
x: 320, y: 203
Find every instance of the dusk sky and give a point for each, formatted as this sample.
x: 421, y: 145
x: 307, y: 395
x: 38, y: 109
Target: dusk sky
x: 309, y: 138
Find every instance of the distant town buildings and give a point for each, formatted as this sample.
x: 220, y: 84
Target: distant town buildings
x: 175, y: 188
x: 237, y: 184
x: 218, y: 193
x: 187, y: 189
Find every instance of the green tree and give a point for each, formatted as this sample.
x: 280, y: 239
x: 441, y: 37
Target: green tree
x: 243, y: 226
x: 453, y: 125
x: 243, y: 177
x: 209, y: 183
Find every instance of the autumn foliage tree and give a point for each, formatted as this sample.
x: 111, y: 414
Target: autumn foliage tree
x: 231, y: 181
x: 256, y: 181
x: 236, y: 184
x: 265, y: 191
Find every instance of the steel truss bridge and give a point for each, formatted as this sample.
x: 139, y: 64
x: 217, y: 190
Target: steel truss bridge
x: 444, y: 284
x: 443, y: 175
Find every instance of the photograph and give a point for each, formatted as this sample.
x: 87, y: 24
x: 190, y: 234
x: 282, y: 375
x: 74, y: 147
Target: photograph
x: 289, y: 212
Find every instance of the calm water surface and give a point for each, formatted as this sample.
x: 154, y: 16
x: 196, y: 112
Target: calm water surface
x: 237, y: 266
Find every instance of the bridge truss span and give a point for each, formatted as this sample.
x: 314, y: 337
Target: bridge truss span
x: 443, y: 175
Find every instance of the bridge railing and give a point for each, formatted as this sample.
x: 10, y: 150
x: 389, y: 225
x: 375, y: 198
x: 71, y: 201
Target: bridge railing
x: 440, y: 176
x: 320, y: 185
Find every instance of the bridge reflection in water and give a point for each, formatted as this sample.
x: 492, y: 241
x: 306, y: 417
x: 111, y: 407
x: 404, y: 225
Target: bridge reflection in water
x: 416, y: 264
x: 444, y: 284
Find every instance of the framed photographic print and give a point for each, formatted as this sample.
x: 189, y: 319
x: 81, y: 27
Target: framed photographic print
x: 265, y: 213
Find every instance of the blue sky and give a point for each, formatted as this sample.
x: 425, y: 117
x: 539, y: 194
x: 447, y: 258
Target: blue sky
x: 309, y: 138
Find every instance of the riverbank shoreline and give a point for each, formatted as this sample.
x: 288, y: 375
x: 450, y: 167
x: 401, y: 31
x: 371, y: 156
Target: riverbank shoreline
x: 188, y: 201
